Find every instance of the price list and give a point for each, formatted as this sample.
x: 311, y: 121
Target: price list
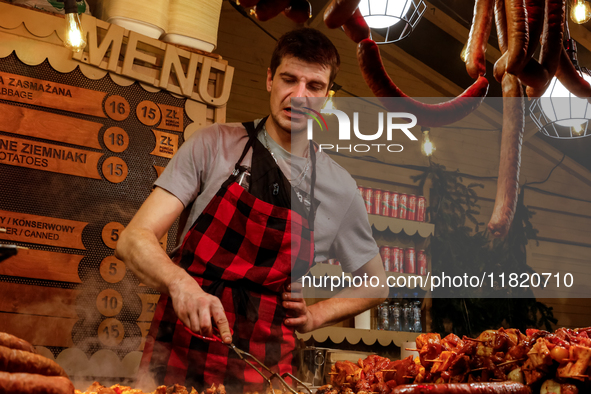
x: 77, y: 159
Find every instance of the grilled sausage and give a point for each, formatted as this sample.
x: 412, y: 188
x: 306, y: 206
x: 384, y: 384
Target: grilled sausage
x: 268, y: 9
x: 433, y: 115
x: 12, y: 360
x: 516, y: 38
x: 299, y: 11
x: 26, y: 383
x: 501, y: 24
x: 517, y: 35
x: 463, y: 388
x: 338, y: 12
x: 509, y: 164
x: 356, y: 28
x: 12, y: 342
x: 538, y: 77
x: 534, y: 75
x: 552, y: 36
x: 535, y: 21
x: 478, y: 38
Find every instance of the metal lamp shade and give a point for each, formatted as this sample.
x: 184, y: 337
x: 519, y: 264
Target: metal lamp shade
x: 560, y: 114
x: 393, y: 20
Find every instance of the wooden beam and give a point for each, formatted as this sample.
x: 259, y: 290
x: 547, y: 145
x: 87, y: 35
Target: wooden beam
x: 455, y: 29
x: 581, y: 35
x: 318, y: 18
x: 553, y: 155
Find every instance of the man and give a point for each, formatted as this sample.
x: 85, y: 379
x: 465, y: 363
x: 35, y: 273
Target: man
x: 240, y: 245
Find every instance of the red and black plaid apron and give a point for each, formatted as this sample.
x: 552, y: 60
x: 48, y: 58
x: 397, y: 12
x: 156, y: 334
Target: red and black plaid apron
x: 244, y: 248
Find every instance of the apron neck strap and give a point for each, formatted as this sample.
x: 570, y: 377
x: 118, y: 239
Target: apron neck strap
x: 253, y: 133
x: 252, y: 136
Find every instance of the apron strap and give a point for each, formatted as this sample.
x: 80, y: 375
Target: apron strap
x: 252, y: 134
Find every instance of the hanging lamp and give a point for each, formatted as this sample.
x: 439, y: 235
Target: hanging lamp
x: 73, y: 35
x: 580, y: 11
x: 559, y: 113
x: 392, y: 19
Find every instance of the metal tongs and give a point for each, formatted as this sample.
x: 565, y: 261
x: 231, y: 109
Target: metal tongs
x: 243, y: 356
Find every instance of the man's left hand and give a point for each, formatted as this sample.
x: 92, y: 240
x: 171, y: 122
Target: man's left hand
x: 299, y: 317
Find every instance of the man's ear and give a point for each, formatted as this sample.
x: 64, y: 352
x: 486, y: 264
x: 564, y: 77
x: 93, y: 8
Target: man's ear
x: 269, y: 79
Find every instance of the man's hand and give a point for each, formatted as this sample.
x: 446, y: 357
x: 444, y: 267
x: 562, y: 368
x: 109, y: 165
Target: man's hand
x: 139, y: 249
x: 300, y: 317
x: 351, y: 301
x: 196, y: 308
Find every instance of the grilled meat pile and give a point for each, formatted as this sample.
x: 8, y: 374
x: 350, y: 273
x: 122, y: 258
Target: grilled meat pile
x: 546, y: 362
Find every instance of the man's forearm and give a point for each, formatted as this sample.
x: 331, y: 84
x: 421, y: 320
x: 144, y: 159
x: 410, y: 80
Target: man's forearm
x: 351, y: 301
x: 328, y: 312
x: 140, y: 250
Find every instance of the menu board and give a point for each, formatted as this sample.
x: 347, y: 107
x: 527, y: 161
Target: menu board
x: 77, y: 159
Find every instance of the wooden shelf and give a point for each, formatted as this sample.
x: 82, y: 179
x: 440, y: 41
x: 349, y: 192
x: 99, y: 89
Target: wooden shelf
x: 354, y: 335
x: 336, y: 270
x: 395, y: 225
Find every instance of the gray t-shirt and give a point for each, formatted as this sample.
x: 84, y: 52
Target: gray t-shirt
x: 207, y: 158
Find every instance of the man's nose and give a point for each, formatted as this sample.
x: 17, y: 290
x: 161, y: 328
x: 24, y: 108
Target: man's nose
x: 300, y: 90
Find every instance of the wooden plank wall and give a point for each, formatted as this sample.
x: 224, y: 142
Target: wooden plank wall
x: 564, y: 224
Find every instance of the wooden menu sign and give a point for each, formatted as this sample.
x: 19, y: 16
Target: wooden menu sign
x: 166, y: 144
x: 107, y: 49
x: 39, y: 330
x: 40, y: 264
x: 42, y: 230
x: 73, y: 176
x: 49, y: 157
x: 172, y: 118
x: 51, y: 95
x: 33, y: 300
x: 149, y: 302
x: 159, y: 170
x: 145, y: 329
x: 45, y: 125
x: 82, y: 140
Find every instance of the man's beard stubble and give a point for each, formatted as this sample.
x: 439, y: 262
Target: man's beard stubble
x: 290, y: 127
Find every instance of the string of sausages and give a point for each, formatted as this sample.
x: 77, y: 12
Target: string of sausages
x: 22, y: 371
x: 522, y: 27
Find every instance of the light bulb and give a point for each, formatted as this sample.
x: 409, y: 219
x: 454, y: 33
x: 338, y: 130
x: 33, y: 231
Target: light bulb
x: 329, y: 104
x: 427, y: 147
x: 74, y: 36
x: 562, y: 107
x: 580, y: 12
x: 577, y: 129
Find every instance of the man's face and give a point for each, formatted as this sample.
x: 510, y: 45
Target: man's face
x: 295, y: 78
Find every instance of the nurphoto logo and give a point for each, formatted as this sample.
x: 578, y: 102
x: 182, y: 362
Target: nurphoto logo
x: 392, y: 122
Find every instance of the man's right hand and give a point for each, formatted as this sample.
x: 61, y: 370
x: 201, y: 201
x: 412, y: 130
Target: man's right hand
x: 196, y: 308
x: 139, y: 249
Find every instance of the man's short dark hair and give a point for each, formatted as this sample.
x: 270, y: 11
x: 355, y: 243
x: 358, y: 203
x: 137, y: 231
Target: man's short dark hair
x: 308, y: 45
